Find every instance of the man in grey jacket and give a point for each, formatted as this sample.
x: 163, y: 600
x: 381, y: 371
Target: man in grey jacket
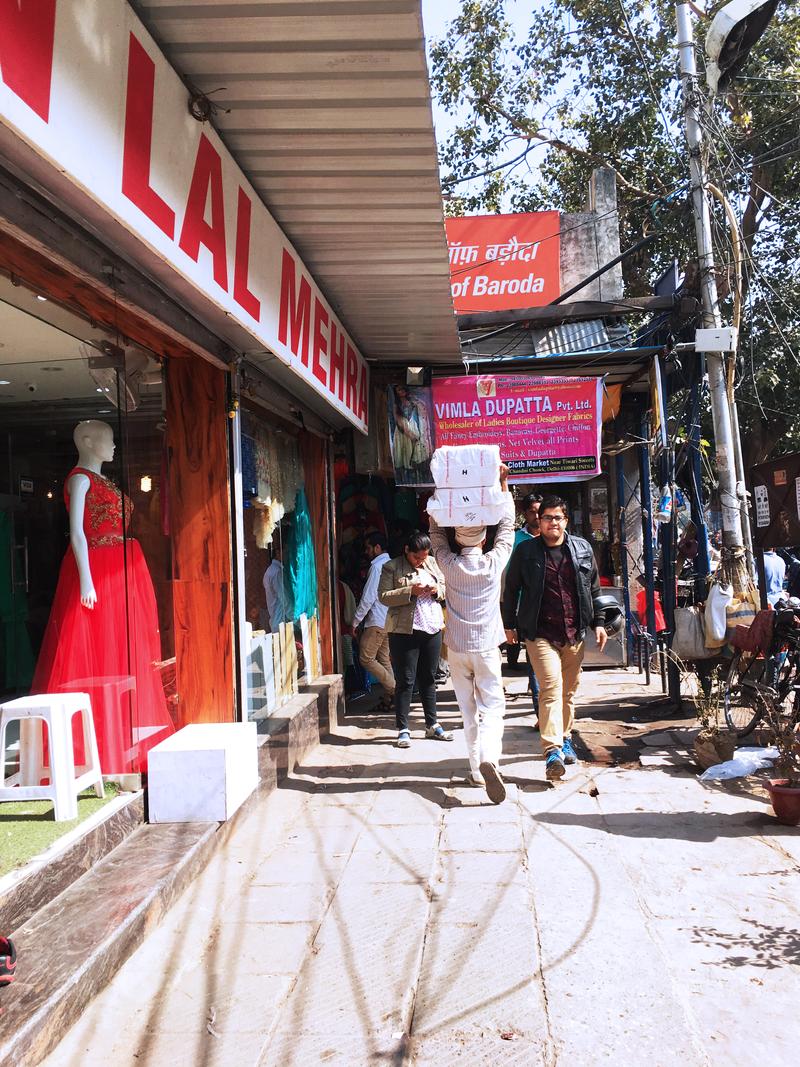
x: 473, y: 635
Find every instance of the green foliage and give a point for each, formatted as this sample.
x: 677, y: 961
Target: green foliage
x: 595, y: 81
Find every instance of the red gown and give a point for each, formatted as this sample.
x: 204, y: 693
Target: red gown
x: 109, y: 651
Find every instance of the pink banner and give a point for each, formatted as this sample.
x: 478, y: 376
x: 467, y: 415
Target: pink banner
x: 547, y: 428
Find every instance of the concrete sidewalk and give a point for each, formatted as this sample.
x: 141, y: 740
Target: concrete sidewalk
x: 374, y: 911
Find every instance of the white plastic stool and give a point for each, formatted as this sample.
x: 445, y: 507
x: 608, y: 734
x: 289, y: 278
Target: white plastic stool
x: 57, y: 710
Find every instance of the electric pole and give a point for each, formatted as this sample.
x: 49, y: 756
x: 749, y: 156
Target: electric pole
x: 720, y: 408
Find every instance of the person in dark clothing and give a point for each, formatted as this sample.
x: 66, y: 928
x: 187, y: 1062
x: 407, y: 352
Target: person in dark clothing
x: 548, y: 601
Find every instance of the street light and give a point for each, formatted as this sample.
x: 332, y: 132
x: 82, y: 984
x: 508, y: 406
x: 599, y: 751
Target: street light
x: 732, y: 33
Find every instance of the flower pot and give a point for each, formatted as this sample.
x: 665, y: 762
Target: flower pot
x: 785, y: 801
x: 714, y: 746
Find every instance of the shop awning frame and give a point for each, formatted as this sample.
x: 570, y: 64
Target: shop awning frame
x: 327, y: 109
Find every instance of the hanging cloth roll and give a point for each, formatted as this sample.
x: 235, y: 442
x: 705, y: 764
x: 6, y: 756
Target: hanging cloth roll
x: 299, y: 562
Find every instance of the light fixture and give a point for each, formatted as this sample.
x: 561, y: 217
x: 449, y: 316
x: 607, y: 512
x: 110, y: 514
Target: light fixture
x: 146, y: 483
x: 40, y: 297
x: 418, y: 376
x: 49, y: 494
x: 4, y: 381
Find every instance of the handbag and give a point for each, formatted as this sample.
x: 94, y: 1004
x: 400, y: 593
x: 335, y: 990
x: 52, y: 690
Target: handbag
x: 689, y: 639
x: 715, y: 614
x: 741, y: 611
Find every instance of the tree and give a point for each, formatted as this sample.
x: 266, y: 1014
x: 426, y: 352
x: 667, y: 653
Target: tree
x: 595, y: 81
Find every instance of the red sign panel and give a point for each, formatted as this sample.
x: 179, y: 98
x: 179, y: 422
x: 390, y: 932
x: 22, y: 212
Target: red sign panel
x: 504, y: 262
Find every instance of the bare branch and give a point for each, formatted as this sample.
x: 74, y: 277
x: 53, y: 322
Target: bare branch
x: 527, y: 129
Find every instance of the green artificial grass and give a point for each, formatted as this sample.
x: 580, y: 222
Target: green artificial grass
x: 27, y: 827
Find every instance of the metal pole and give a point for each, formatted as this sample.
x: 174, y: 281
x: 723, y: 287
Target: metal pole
x: 723, y: 430
x: 702, y: 564
x: 646, y: 498
x: 619, y: 471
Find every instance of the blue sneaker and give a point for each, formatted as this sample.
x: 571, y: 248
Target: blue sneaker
x: 554, y: 765
x: 568, y: 753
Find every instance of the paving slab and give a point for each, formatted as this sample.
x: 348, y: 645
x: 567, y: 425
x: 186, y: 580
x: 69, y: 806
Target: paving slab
x: 375, y: 911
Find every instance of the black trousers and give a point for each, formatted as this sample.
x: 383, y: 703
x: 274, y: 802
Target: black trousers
x: 415, y: 656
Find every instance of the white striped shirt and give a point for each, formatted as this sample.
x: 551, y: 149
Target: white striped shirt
x: 472, y: 581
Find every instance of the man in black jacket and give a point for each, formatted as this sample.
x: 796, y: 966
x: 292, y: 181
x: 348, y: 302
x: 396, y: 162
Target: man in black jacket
x: 548, y: 601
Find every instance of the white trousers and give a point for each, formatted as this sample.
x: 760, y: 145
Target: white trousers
x: 478, y: 684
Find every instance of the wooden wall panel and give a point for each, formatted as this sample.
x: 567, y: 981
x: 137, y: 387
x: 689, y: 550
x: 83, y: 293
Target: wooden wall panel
x: 203, y: 651
x: 199, y: 515
x: 315, y: 467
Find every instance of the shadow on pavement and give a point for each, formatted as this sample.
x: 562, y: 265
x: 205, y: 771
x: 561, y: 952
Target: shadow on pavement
x: 770, y: 947
x: 679, y: 826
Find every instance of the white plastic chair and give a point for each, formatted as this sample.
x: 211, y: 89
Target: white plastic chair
x: 66, y: 781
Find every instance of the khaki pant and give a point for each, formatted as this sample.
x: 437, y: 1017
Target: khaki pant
x: 373, y: 654
x: 558, y: 672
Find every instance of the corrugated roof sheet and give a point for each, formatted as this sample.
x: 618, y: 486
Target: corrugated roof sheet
x: 327, y: 109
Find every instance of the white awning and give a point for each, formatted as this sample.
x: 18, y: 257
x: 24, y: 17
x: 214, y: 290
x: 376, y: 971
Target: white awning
x: 326, y: 107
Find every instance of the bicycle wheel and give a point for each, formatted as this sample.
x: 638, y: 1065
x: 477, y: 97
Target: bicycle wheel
x: 742, y: 699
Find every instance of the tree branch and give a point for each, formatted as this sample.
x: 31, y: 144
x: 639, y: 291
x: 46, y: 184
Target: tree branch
x: 760, y: 187
x: 527, y: 129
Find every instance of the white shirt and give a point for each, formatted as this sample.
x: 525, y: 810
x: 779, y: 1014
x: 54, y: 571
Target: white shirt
x: 276, y: 597
x: 473, y: 580
x: 369, y: 607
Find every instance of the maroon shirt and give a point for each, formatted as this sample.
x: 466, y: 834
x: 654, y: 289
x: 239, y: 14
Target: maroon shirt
x: 559, y: 615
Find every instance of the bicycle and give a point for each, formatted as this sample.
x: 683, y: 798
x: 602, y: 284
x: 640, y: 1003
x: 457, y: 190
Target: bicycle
x: 756, y: 676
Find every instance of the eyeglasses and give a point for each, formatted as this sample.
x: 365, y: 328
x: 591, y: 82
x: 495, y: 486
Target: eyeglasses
x: 552, y: 518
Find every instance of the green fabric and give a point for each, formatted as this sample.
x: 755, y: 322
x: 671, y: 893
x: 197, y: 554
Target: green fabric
x: 299, y: 566
x: 17, y: 661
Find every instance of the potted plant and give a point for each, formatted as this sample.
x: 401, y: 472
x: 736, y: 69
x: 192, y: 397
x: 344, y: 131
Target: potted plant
x: 784, y: 790
x: 714, y: 743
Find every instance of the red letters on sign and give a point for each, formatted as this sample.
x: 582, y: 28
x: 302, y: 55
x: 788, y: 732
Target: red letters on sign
x: 138, y: 142
x: 27, y: 32
x: 352, y: 379
x: 362, y: 394
x: 196, y: 231
x: 295, y: 310
x: 321, y: 319
x: 337, y: 354
x: 241, y: 267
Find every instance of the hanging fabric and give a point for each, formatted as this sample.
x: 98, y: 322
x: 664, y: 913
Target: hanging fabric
x: 299, y: 560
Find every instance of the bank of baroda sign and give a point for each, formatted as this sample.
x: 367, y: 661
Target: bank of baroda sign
x: 86, y: 89
x: 504, y: 262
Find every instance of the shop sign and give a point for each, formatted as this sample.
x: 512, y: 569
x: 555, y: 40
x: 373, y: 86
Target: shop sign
x: 504, y: 262
x: 547, y: 428
x: 85, y: 87
x: 776, y: 499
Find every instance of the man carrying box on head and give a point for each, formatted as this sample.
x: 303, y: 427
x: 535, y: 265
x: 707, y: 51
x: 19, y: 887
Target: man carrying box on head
x: 549, y: 601
x: 474, y: 634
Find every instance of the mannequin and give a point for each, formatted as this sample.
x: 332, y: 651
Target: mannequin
x: 94, y: 441
x: 102, y: 636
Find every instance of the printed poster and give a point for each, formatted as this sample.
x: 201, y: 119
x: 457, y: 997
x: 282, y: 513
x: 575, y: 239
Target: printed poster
x: 761, y: 497
x: 546, y: 427
x: 411, y: 434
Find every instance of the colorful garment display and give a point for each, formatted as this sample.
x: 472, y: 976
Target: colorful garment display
x: 300, y: 566
x: 272, y: 471
x: 111, y: 650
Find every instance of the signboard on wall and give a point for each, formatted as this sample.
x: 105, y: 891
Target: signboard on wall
x: 504, y: 262
x: 78, y: 86
x: 548, y: 428
x: 776, y: 499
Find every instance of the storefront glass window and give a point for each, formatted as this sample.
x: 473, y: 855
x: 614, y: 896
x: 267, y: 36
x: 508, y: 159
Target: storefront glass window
x: 282, y: 641
x: 85, y: 583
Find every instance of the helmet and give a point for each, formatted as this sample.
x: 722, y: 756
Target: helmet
x: 606, y: 604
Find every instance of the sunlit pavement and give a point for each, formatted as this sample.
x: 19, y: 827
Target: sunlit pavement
x: 374, y: 911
